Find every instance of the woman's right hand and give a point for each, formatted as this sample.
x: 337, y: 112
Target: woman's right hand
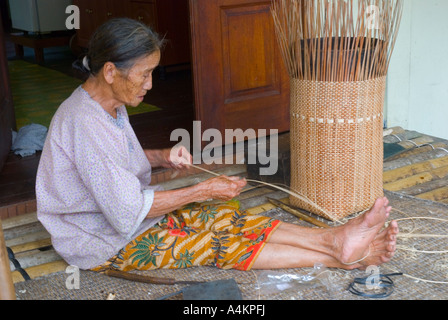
x: 223, y: 188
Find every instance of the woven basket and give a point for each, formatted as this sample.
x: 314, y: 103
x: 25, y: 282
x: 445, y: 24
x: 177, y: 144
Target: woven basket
x: 337, y: 145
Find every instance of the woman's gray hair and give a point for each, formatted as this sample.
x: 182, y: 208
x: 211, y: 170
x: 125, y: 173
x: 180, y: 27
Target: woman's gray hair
x: 121, y: 41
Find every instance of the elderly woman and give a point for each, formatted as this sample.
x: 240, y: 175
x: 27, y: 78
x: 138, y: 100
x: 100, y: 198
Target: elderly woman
x: 94, y: 195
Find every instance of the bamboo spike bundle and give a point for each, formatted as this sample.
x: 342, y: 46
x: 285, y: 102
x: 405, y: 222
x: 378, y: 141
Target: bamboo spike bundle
x: 334, y: 40
x: 337, y: 54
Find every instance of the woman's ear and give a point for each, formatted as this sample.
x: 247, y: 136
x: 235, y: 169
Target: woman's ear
x: 109, y: 72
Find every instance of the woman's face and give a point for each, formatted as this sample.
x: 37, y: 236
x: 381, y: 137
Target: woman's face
x: 131, y: 88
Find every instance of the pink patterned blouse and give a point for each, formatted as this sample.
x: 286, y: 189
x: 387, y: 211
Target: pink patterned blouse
x: 92, y: 185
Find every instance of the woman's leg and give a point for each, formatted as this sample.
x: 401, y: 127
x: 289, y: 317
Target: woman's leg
x: 227, y: 238
x: 281, y: 256
x: 197, y: 235
x: 360, y: 239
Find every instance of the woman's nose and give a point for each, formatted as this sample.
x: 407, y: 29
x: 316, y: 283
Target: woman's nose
x: 148, y: 84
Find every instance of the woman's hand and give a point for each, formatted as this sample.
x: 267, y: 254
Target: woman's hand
x: 222, y: 188
x: 179, y: 158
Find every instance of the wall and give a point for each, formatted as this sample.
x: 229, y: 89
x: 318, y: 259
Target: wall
x: 417, y: 92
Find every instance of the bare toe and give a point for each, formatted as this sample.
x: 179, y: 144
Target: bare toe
x: 361, y: 232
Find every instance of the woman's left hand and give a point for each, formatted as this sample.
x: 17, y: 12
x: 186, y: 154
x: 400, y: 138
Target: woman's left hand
x: 178, y: 158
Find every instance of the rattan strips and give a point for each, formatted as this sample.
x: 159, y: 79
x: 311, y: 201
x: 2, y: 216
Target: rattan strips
x: 337, y: 54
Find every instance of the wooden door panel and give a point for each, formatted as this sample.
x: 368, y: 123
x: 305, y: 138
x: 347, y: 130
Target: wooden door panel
x: 144, y: 12
x: 239, y: 77
x: 92, y: 15
x: 116, y: 9
x: 249, y: 62
x: 174, y: 25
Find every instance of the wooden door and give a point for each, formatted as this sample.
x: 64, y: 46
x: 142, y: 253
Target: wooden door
x: 92, y: 15
x: 173, y: 25
x: 239, y: 77
x: 144, y: 12
x: 116, y: 9
x: 7, y: 117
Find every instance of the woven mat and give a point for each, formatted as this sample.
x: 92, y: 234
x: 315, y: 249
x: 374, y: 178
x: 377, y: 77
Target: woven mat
x: 331, y: 286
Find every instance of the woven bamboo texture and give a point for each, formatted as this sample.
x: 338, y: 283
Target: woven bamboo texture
x: 432, y: 267
x: 337, y: 55
x: 336, y: 145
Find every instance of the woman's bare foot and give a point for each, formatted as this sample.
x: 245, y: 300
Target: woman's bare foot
x: 383, y: 247
x: 361, y: 241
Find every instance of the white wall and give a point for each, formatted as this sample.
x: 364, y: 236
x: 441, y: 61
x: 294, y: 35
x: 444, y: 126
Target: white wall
x: 417, y: 92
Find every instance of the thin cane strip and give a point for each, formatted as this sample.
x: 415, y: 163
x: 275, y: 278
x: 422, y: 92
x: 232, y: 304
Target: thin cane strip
x: 324, y: 26
x: 411, y: 235
x: 416, y: 278
x: 294, y: 194
x: 332, y: 45
x: 421, y: 251
x: 297, y: 196
x: 360, y: 260
x: 422, y: 218
x: 421, y: 236
x: 414, y: 225
x: 434, y: 236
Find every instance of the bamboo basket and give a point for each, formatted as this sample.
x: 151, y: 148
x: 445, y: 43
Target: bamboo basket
x: 337, y: 64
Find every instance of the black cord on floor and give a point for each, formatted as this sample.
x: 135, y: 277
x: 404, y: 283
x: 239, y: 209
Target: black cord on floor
x: 385, y: 286
x: 17, y: 265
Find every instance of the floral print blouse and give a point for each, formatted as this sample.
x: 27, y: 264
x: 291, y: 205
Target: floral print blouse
x: 93, y: 182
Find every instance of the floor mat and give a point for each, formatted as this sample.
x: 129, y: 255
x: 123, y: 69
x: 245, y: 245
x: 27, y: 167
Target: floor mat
x: 38, y: 91
x: 425, y: 276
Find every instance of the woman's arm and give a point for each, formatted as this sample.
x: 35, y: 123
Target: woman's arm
x: 175, y: 158
x: 219, y: 188
x: 157, y: 158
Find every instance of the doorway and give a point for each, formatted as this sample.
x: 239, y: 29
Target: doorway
x: 235, y: 79
x: 172, y: 94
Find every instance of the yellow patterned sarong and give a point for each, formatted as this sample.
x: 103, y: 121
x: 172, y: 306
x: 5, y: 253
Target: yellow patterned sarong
x: 197, y: 235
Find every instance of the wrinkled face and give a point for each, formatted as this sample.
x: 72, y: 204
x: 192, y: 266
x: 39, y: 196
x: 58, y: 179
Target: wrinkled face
x: 131, y: 87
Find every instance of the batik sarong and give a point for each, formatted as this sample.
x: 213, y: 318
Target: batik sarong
x: 217, y: 235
